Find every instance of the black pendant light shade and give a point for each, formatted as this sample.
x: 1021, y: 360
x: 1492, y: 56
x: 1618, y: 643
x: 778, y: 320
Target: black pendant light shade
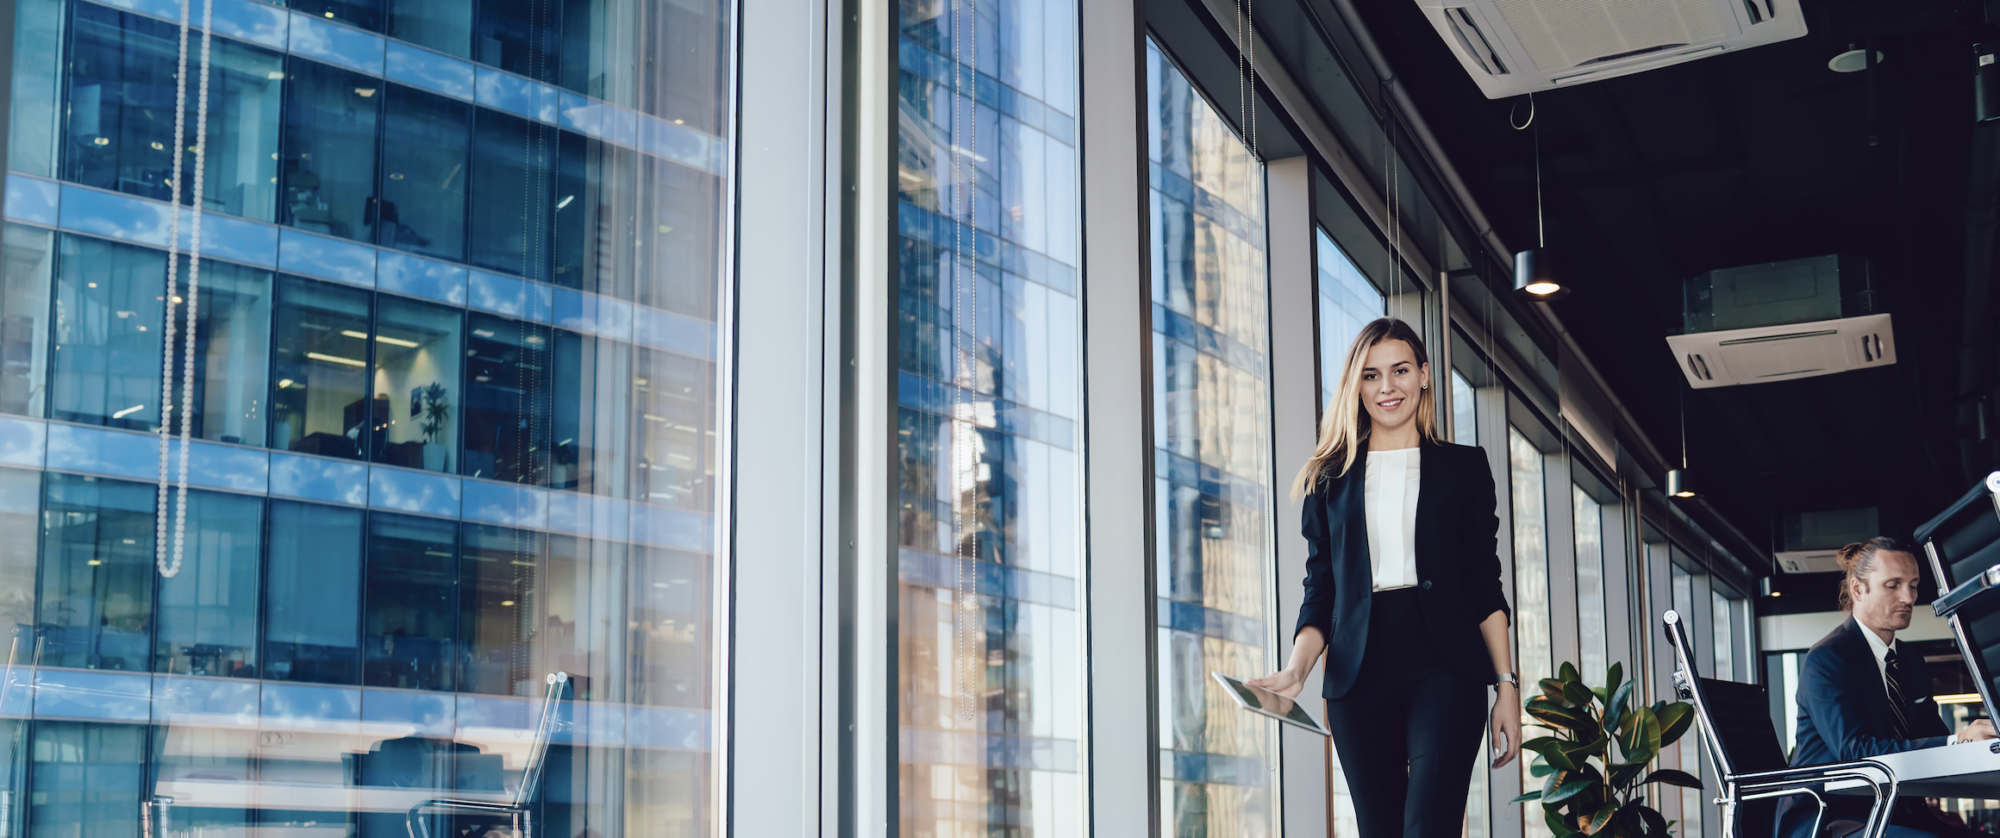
x: 1680, y: 484
x: 1535, y: 276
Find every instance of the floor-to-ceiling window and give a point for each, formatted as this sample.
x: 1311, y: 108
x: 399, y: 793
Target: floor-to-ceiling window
x: 1532, y: 627
x: 1594, y: 644
x: 456, y: 402
x: 1347, y: 301
x: 1213, y: 472
x: 990, y: 652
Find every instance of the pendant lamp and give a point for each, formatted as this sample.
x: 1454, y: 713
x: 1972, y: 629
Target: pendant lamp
x: 1535, y: 275
x: 1681, y: 482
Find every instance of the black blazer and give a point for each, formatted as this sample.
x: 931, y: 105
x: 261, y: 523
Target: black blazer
x: 1458, y: 567
x: 1844, y: 716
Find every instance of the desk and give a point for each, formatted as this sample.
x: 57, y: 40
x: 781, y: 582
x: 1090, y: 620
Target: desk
x: 1970, y: 771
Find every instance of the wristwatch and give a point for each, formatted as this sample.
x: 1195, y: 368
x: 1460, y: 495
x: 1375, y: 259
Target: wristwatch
x: 1507, y: 678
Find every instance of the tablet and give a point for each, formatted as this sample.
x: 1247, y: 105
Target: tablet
x: 1263, y: 702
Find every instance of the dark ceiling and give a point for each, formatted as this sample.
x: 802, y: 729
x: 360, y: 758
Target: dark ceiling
x: 1751, y: 157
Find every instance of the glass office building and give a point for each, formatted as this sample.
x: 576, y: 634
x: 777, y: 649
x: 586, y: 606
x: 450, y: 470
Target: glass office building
x: 475, y: 395
x: 455, y: 391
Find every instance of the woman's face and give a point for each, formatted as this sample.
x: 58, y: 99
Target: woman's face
x: 1391, y: 380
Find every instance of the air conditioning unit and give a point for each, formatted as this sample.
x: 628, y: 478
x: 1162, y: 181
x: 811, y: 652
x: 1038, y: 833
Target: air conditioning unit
x: 1813, y: 539
x: 1779, y: 321
x: 1511, y: 47
x: 1783, y: 353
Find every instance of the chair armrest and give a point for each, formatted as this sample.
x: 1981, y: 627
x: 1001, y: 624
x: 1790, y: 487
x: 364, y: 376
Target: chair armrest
x: 1966, y: 591
x: 1818, y: 773
x: 413, y: 822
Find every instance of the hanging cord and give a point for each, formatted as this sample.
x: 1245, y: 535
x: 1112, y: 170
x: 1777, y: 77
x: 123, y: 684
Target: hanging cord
x: 169, y: 560
x: 1540, y: 239
x: 965, y: 313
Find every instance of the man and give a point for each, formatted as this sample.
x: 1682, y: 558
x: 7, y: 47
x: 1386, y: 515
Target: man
x: 1862, y: 694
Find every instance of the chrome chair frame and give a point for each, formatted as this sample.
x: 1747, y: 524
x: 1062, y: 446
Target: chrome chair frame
x: 1802, y: 781
x: 520, y: 810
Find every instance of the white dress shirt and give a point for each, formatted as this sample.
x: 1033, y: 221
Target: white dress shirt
x: 1881, y: 651
x: 1390, y: 494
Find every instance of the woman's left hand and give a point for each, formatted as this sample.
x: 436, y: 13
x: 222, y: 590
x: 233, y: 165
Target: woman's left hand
x: 1506, y: 724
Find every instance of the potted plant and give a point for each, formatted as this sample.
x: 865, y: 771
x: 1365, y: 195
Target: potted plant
x: 1590, y: 788
x: 437, y: 414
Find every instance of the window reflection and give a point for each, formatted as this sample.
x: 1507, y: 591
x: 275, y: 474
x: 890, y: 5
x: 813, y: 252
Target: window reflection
x: 671, y: 394
x: 410, y: 606
x: 207, y: 623
x: 1214, y: 482
x: 97, y: 574
x: 232, y: 347
x: 416, y: 370
x: 121, y: 114
x: 1347, y: 301
x: 425, y: 148
x: 500, y: 599
x: 511, y: 162
x: 320, y: 403
x: 589, y: 425
x: 1531, y: 581
x: 37, y: 88
x: 24, y: 318
x: 445, y: 27
x: 108, y: 316
x: 20, y: 496
x: 1464, y: 411
x: 506, y: 400
x: 87, y: 778
x: 989, y: 634
x: 312, y: 631
x: 329, y: 153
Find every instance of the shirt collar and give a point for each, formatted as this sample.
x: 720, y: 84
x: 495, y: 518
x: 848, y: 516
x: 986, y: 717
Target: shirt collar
x: 1875, y: 643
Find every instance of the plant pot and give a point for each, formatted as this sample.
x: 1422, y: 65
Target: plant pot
x: 434, y: 456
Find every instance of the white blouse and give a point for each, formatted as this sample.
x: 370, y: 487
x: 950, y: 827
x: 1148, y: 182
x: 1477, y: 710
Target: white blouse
x: 1394, y: 478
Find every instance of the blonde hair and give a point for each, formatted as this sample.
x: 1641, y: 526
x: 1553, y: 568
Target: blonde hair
x: 1342, y: 430
x: 1859, y: 559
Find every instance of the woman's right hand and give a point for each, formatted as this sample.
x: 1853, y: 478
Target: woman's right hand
x: 1284, y: 682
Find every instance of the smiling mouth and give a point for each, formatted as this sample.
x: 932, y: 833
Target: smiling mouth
x: 1391, y: 404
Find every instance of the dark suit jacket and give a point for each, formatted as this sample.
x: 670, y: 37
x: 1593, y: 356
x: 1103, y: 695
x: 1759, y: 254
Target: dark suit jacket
x: 1844, y: 716
x: 1458, y: 569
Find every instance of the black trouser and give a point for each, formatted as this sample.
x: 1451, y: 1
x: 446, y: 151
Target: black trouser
x: 1408, y: 731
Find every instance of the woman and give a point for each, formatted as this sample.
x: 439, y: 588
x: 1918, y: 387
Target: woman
x: 1403, y: 594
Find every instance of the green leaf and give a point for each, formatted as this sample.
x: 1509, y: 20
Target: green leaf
x: 1642, y: 736
x: 1615, y: 677
x: 1674, y: 720
x: 1568, y: 673
x: 1578, y: 751
x: 1556, y: 825
x: 1623, y: 774
x: 1533, y: 795
x: 1538, y: 742
x: 1540, y: 769
x: 1556, y: 717
x: 1553, y: 688
x: 1674, y: 778
x: 1558, y: 760
x: 1600, y: 819
x: 1656, y: 824
x: 1576, y: 694
x: 1568, y: 790
x: 1614, y: 707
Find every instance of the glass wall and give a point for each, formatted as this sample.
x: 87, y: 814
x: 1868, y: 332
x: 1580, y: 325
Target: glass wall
x: 1212, y: 465
x: 1590, y: 592
x: 456, y: 406
x: 1347, y: 301
x: 1532, y: 628
x: 991, y: 645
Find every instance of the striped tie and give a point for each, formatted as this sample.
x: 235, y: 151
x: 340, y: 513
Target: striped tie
x: 1893, y: 674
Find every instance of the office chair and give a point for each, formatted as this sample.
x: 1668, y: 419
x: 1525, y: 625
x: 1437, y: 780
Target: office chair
x: 1736, y: 730
x: 519, y: 810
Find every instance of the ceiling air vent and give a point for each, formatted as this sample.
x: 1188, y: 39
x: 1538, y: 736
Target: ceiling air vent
x: 1783, y: 353
x: 1547, y: 43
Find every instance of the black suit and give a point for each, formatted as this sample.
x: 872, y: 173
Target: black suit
x: 1844, y: 715
x: 1406, y: 668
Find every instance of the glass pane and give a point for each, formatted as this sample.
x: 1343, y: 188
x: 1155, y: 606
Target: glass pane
x: 672, y: 397
x: 680, y: 226
x: 24, y: 318
x: 410, y: 604
x: 1464, y: 411
x: 208, y: 610
x: 595, y: 208
x: 416, y: 370
x: 329, y: 154
x: 990, y: 637
x: 1214, y: 483
x: 38, y: 41
x: 366, y: 14
x: 1690, y: 746
x: 97, y: 573
x: 320, y: 404
x: 1531, y: 586
x: 511, y: 160
x: 1725, y: 637
x: 506, y: 400
x: 1347, y: 301
x: 108, y: 316
x: 499, y: 585
x: 1590, y: 593
x: 87, y: 779
x: 591, y: 423
x: 445, y: 27
x: 426, y: 143
x: 233, y: 345
x: 312, y: 631
x: 20, y: 498
x: 121, y: 114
